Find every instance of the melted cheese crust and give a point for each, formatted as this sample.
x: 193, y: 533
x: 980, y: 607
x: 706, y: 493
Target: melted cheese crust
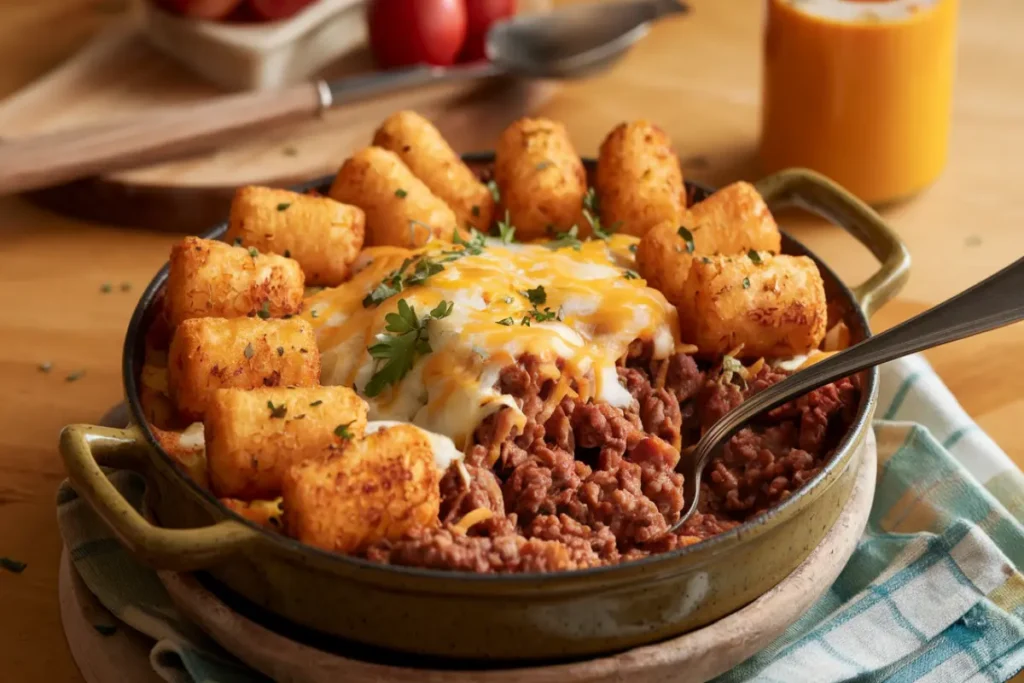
x: 452, y: 389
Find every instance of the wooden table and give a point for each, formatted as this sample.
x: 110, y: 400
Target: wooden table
x: 697, y: 77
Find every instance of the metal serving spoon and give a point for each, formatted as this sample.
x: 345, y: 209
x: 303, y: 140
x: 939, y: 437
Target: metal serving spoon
x: 569, y: 42
x: 993, y: 302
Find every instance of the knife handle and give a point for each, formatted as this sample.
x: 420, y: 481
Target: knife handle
x: 47, y: 159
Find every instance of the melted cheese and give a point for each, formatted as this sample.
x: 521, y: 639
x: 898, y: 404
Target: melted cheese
x: 445, y: 452
x: 452, y: 389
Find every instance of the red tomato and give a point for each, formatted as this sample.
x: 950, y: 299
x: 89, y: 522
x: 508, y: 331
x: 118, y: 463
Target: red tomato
x: 406, y: 32
x: 272, y: 10
x: 480, y: 14
x: 200, y: 9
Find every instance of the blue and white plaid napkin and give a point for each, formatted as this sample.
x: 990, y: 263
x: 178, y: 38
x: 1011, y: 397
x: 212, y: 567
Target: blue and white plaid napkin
x: 934, y: 591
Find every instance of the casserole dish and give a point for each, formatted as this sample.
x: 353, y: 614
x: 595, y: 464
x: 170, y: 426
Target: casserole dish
x: 470, y: 616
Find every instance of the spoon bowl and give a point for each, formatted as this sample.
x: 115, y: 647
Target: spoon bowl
x: 574, y: 41
x: 994, y: 302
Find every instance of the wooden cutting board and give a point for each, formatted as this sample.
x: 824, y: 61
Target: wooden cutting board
x: 119, y: 74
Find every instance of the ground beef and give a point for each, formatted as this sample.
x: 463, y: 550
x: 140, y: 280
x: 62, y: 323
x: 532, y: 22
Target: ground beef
x: 594, y: 484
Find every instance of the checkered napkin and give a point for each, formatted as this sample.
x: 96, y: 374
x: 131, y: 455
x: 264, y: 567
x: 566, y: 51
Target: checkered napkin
x: 934, y: 591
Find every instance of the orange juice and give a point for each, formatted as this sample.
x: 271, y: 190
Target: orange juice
x: 859, y: 91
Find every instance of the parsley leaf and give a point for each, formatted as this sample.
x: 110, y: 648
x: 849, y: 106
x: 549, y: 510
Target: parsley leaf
x: 565, y: 239
x: 283, y: 205
x: 277, y: 411
x: 400, y: 193
x: 423, y: 267
x: 405, y: 339
x: 687, y: 237
x: 254, y: 252
x: 249, y: 351
x: 506, y: 321
x: 746, y: 283
x: 754, y: 256
x: 536, y: 296
x: 495, y: 192
x: 631, y: 274
x: 264, y: 311
x: 506, y: 231
x: 592, y: 212
x: 343, y: 431
x: 632, y: 249
x: 316, y: 403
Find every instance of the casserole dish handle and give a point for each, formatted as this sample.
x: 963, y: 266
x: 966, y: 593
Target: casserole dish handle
x: 85, y: 448
x: 814, y: 192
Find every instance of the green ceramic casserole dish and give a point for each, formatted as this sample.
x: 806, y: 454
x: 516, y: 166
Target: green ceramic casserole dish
x: 471, y: 616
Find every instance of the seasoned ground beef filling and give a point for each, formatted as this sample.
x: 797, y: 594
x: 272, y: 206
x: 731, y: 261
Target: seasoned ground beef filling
x: 586, y: 484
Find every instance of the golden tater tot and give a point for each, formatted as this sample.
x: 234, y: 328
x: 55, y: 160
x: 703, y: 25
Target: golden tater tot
x: 244, y: 353
x: 638, y: 180
x: 401, y: 211
x: 774, y: 306
x: 370, y: 489
x: 266, y: 513
x: 541, y: 178
x: 252, y: 437
x: 322, y: 235
x: 732, y: 221
x: 187, y: 450
x: 427, y: 154
x: 210, y: 279
x: 663, y: 258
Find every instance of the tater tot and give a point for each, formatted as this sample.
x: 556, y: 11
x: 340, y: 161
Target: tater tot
x: 187, y: 450
x: 253, y: 437
x: 427, y: 154
x: 541, y: 178
x: 773, y: 305
x: 663, y: 258
x: 207, y: 354
x: 400, y: 210
x: 639, y: 181
x: 732, y: 221
x: 322, y: 235
x: 266, y: 513
x: 370, y: 489
x: 211, y: 279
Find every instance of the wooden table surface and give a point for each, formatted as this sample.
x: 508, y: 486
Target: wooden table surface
x: 697, y: 77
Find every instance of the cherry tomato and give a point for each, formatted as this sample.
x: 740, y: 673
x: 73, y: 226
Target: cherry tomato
x: 480, y: 14
x: 272, y: 10
x: 406, y: 32
x: 200, y: 9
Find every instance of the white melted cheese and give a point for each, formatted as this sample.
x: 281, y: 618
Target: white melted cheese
x: 451, y: 389
x: 445, y: 452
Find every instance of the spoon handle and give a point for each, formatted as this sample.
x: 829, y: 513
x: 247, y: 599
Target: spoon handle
x: 993, y: 302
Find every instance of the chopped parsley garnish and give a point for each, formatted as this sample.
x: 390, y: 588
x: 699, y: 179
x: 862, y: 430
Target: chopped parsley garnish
x: 75, y: 376
x: 314, y: 404
x: 545, y: 315
x: 106, y: 288
x: 475, y: 211
x: 343, y: 431
x: 287, y: 253
x: 631, y: 274
x: 45, y: 366
x: 254, y: 252
x: 405, y: 340
x: 495, y: 192
x: 506, y: 321
x: 400, y: 193
x: 536, y: 296
x: 264, y: 311
x: 687, y: 237
x: 746, y: 283
x: 280, y: 350
x: 313, y: 313
x: 249, y: 351
x: 506, y: 231
x: 754, y: 256
x: 565, y: 239
x: 423, y: 267
x: 592, y: 212
x: 13, y: 566
x: 705, y: 259
x: 632, y: 249
x: 283, y: 205
x: 277, y: 411
x: 237, y: 242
